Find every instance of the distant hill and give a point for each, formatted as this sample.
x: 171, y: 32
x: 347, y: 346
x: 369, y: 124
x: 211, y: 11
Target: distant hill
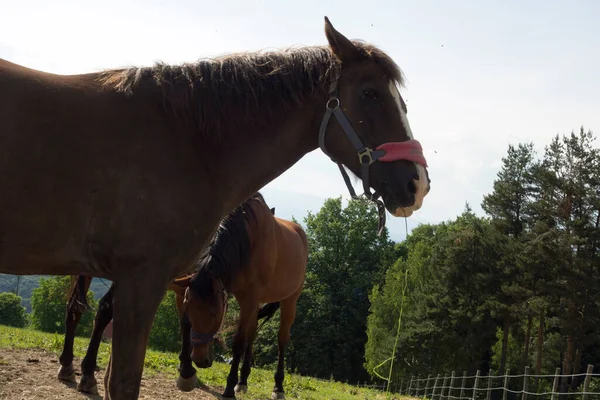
x: 8, y: 283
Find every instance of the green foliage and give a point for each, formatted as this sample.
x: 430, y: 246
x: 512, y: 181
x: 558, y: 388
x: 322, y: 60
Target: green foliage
x: 12, y: 313
x: 346, y: 260
x: 518, y: 289
x: 165, y: 334
x: 49, y: 305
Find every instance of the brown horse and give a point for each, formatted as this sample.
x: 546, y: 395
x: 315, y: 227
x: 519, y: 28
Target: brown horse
x: 126, y: 174
x: 258, y: 258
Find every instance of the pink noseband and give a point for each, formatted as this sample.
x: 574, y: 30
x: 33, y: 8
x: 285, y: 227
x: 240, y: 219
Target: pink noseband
x: 410, y: 150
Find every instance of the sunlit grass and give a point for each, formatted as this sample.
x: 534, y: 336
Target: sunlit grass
x: 259, y: 386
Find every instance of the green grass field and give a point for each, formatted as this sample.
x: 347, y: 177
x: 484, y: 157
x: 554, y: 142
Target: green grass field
x: 260, y: 381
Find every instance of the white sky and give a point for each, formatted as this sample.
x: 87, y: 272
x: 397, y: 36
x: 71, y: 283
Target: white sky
x: 481, y: 74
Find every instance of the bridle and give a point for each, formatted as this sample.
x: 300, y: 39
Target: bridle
x: 409, y: 150
x: 200, y: 338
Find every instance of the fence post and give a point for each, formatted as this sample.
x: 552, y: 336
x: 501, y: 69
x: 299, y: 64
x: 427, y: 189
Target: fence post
x: 427, y: 385
x: 418, y: 384
x: 489, y: 391
x: 464, y: 385
x: 475, y: 385
x: 525, y: 383
x: 444, y: 386
x: 401, y: 383
x: 435, y: 387
x: 451, y: 385
x: 555, y: 384
x: 505, y: 386
x: 586, y: 384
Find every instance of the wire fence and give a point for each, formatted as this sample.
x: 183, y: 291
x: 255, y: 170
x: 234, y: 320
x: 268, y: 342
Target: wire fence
x: 524, y: 386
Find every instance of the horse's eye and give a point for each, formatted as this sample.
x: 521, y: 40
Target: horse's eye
x: 370, y: 94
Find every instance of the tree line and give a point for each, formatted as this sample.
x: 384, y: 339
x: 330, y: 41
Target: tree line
x: 519, y: 287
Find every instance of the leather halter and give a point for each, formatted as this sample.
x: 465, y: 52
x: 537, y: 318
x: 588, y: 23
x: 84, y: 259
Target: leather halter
x: 409, y: 150
x: 199, y: 338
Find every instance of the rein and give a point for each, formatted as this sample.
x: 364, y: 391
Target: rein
x: 199, y: 338
x: 410, y: 150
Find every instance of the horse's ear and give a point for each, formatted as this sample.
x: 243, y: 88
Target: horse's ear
x: 183, y: 282
x: 343, y: 48
x: 273, y: 210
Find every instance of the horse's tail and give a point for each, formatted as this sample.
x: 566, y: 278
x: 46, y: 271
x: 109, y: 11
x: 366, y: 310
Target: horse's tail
x: 266, y: 312
x: 78, y: 288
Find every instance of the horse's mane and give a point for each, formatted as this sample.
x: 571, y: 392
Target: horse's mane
x: 230, y: 91
x: 228, y: 251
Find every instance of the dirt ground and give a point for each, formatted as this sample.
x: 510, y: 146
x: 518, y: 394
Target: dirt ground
x: 31, y: 374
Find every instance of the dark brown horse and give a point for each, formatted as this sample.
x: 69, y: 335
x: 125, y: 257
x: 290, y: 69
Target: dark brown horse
x: 258, y: 258
x: 126, y: 174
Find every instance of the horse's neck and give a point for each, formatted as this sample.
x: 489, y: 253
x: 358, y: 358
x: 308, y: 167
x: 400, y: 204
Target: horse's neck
x: 259, y: 157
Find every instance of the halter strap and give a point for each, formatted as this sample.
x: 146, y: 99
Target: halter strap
x: 200, y: 338
x: 410, y: 150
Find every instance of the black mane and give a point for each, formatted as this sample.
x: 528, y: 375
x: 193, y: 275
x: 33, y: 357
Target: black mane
x: 228, y: 251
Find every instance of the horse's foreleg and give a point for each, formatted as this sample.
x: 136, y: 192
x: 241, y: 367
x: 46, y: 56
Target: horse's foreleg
x: 88, y: 382
x: 288, y: 314
x: 136, y: 299
x: 75, y: 310
x: 248, y: 315
x: 187, y: 373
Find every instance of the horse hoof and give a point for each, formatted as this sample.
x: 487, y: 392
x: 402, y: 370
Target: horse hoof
x: 225, y: 397
x: 277, y: 395
x: 240, y: 388
x: 67, y: 374
x: 88, y: 385
x: 186, y: 384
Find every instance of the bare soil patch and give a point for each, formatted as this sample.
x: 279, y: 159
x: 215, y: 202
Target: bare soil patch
x: 31, y: 374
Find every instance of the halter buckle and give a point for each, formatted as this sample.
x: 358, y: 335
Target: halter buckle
x: 367, y: 153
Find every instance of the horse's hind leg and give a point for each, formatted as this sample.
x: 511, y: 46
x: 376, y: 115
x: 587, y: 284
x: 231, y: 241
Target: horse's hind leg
x: 288, y: 314
x: 76, y: 306
x: 136, y: 299
x: 246, y: 326
x: 88, y: 382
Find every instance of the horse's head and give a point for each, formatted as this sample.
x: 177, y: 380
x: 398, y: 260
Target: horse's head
x: 205, y: 309
x: 369, y: 118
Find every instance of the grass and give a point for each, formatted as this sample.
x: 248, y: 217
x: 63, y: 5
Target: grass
x: 260, y: 381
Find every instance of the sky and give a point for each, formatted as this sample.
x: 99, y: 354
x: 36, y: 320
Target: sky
x: 480, y: 74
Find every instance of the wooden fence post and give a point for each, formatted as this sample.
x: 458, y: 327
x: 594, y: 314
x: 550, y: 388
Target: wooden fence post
x: 555, y: 384
x: 435, y: 387
x: 418, y: 384
x: 452, y: 377
x: 586, y: 383
x: 401, y: 383
x: 464, y: 385
x: 410, y: 385
x: 489, y: 391
x: 427, y: 385
x: 444, y: 386
x: 475, y: 385
x: 505, y: 386
x: 525, y: 383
